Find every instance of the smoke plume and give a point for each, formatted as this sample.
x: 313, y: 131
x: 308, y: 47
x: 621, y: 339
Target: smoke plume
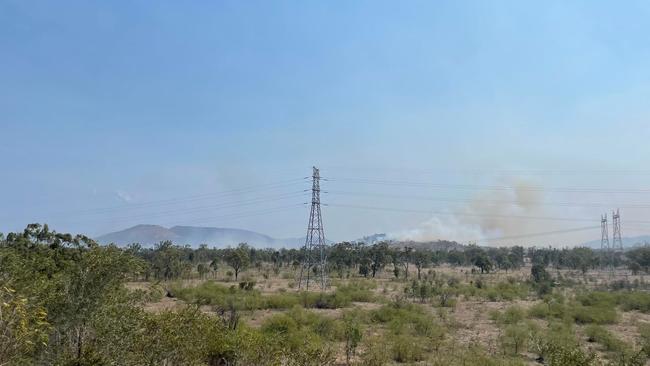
x: 489, y: 214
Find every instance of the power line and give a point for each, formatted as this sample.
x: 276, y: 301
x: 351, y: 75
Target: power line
x: 244, y: 214
x: 185, y: 199
x: 470, y: 200
x: 223, y: 205
x: 483, y: 171
x: 454, y: 213
x: 545, y: 233
x: 489, y: 188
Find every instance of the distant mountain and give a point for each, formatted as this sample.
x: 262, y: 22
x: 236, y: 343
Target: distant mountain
x: 194, y: 236
x: 628, y: 242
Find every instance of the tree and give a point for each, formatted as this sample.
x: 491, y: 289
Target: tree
x: 397, y: 262
x: 24, y: 327
x: 642, y: 257
x: 483, y: 262
x: 202, y: 269
x: 379, y: 257
x: 214, y: 266
x: 352, y: 337
x: 634, y: 267
x: 167, y: 262
x: 406, y: 258
x: 539, y: 273
x: 238, y: 258
x: 420, y: 259
x: 71, y: 277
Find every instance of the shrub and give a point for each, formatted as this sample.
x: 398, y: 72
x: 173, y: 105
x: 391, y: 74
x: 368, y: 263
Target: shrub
x: 597, y: 298
x: 514, y: 339
x: 598, y: 334
x: 472, y: 355
x: 594, y: 314
x: 407, y: 349
x: 279, y: 324
x: 559, y: 347
x: 376, y: 353
x: 644, y: 332
x: 635, y: 301
x: 559, y: 354
x: 540, y: 311
x: 512, y: 315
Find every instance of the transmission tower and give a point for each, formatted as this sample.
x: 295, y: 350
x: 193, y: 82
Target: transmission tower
x: 605, y: 248
x: 604, y: 235
x: 617, y: 242
x: 314, y: 249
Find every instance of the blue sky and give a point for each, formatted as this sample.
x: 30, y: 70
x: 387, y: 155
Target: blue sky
x: 115, y: 104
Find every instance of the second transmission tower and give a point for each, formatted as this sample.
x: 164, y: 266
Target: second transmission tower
x: 617, y: 242
x: 314, y: 250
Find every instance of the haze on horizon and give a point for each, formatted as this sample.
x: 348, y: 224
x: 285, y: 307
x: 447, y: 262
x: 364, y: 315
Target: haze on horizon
x: 454, y: 120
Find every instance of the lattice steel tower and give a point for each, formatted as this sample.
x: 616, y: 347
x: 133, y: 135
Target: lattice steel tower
x: 617, y: 242
x: 314, y: 249
x: 604, y: 234
x: 605, y: 248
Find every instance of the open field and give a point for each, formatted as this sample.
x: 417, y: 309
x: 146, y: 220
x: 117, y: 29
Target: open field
x: 495, y: 317
x: 68, y: 301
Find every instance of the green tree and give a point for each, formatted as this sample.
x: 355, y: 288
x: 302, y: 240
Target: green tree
x: 168, y: 262
x: 202, y: 269
x: 483, y: 262
x: 238, y: 258
x: 539, y: 273
x: 420, y: 260
x: 352, y: 337
x: 24, y: 328
x: 379, y: 257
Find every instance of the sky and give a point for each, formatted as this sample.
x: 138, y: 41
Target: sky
x: 463, y: 120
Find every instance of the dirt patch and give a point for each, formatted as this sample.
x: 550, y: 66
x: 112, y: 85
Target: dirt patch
x: 165, y: 303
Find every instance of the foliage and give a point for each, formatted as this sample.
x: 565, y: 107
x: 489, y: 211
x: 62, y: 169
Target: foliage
x: 353, y: 336
x: 24, y: 328
x: 238, y: 258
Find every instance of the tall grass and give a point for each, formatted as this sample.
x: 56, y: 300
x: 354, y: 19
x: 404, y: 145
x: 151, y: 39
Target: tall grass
x: 248, y: 298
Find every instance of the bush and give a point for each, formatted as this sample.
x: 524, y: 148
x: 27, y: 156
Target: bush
x: 557, y: 346
x: 559, y: 354
x: 298, y: 322
x: 598, y: 334
x: 245, y: 297
x: 512, y: 315
x: 644, y: 332
x: 635, y: 301
x: 407, y: 349
x: 472, y: 355
x: 540, y: 311
x: 376, y: 353
x: 282, y: 300
x: 594, y: 314
x: 597, y: 298
x: 279, y: 324
x: 211, y: 293
x: 514, y: 339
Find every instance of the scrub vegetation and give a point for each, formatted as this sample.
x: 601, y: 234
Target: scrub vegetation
x: 65, y: 300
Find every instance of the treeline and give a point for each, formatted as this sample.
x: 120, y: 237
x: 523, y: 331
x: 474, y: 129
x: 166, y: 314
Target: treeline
x: 167, y: 261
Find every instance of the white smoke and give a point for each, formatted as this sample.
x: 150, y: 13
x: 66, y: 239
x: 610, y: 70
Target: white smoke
x: 490, y: 214
x: 447, y: 227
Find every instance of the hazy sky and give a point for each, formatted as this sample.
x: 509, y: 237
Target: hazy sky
x: 125, y: 112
